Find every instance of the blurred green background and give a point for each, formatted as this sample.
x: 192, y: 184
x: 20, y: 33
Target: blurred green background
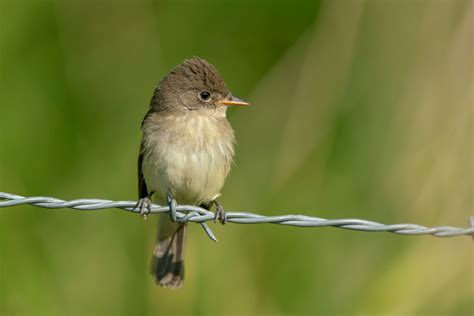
x: 360, y: 109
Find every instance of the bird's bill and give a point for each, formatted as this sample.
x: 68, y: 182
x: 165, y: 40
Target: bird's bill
x: 233, y: 102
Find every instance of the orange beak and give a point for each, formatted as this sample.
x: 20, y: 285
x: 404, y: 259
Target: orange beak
x: 233, y: 102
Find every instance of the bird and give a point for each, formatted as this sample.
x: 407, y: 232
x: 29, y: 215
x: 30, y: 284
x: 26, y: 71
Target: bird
x: 186, y: 153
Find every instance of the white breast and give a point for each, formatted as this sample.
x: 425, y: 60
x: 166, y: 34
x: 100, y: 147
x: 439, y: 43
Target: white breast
x: 187, y: 155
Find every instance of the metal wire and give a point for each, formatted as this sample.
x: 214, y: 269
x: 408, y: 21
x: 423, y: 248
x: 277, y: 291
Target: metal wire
x: 190, y: 213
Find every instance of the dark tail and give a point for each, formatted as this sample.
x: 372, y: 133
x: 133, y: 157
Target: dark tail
x: 168, y: 255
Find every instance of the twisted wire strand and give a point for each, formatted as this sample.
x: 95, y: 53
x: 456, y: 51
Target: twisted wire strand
x: 190, y: 213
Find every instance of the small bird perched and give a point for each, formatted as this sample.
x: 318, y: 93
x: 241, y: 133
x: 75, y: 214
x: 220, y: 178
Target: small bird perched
x: 185, y: 155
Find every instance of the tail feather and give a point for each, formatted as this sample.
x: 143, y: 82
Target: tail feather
x: 168, y: 255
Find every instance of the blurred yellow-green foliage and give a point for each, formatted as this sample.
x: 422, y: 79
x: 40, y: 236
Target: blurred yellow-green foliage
x: 360, y: 109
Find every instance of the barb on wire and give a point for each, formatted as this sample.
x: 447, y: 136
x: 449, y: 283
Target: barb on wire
x: 190, y: 213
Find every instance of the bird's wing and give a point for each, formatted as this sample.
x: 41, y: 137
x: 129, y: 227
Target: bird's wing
x: 142, y: 189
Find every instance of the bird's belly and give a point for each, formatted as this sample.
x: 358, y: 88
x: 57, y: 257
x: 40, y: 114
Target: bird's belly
x: 190, y: 175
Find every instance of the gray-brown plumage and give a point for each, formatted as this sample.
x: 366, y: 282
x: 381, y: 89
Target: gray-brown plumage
x: 185, y: 154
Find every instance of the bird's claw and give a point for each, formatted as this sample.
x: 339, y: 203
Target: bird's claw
x: 144, y: 205
x: 220, y: 214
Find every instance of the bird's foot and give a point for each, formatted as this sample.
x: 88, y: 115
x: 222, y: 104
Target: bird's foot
x: 172, y: 205
x: 220, y: 214
x: 144, y: 205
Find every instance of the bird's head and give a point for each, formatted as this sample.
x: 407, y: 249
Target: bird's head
x: 192, y: 86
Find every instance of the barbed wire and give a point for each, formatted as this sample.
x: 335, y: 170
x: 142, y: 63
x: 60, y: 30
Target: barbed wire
x: 191, y: 213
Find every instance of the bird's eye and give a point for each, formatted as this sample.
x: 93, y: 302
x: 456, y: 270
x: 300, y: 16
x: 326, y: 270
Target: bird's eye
x: 205, y: 96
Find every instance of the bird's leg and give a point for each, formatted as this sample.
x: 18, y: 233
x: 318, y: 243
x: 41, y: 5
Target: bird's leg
x: 144, y: 205
x: 220, y: 213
